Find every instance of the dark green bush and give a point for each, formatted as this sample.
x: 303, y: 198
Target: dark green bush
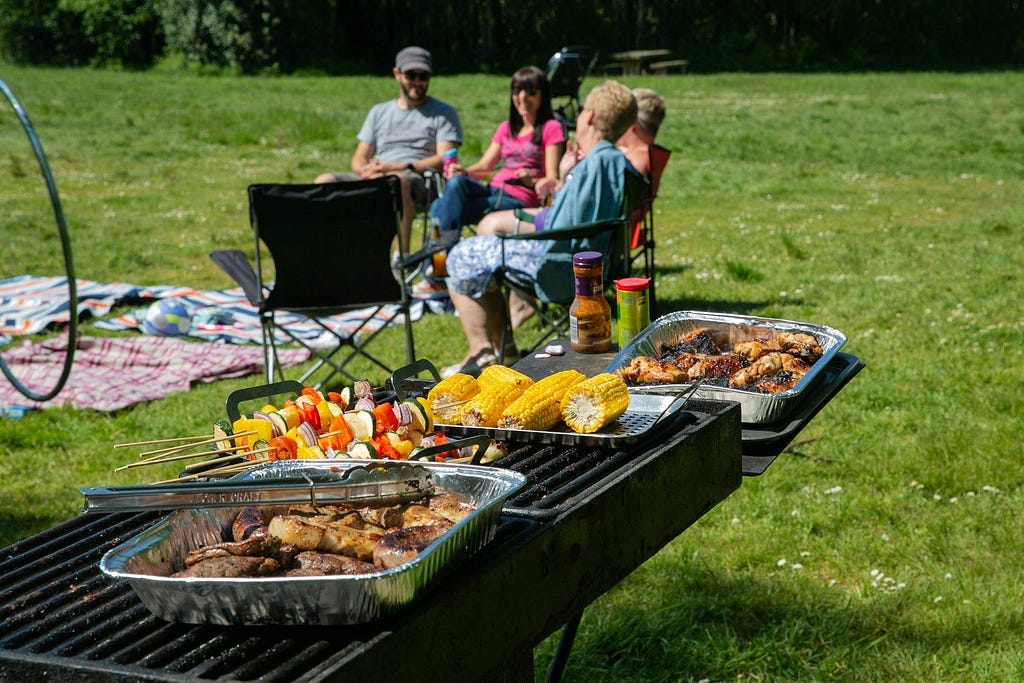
x: 73, y: 32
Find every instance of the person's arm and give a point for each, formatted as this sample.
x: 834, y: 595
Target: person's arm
x: 548, y: 185
x: 482, y: 168
x: 362, y: 159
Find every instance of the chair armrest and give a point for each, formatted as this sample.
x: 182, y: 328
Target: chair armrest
x: 236, y: 264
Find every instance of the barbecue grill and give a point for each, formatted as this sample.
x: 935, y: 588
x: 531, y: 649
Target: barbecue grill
x: 587, y: 518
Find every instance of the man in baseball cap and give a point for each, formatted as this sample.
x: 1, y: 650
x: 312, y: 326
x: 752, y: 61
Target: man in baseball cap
x: 405, y: 136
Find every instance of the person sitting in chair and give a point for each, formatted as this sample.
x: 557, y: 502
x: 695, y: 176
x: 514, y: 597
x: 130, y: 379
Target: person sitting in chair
x: 405, y: 136
x: 593, y: 192
x: 529, y: 145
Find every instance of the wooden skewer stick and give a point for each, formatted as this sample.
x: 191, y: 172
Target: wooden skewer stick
x: 175, y: 449
x: 167, y: 440
x: 228, y: 458
x: 227, y: 469
x: 159, y: 460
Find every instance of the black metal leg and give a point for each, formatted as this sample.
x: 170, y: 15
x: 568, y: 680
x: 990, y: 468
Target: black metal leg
x: 557, y: 667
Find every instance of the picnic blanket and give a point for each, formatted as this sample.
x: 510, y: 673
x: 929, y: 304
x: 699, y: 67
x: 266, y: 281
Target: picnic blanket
x: 31, y: 304
x: 109, y: 374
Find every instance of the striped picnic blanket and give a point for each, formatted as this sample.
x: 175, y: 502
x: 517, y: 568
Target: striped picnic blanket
x: 112, y: 373
x: 30, y: 304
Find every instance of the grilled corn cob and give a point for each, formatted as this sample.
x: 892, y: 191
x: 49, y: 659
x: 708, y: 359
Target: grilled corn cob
x: 499, y: 388
x: 590, y: 405
x: 449, y: 395
x: 494, y: 374
x: 540, y: 405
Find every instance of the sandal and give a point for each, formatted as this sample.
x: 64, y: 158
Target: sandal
x: 473, y: 366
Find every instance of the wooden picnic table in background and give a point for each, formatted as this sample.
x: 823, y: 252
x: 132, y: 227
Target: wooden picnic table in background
x: 633, y: 60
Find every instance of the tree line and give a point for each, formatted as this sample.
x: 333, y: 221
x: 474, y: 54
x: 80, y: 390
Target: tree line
x: 345, y: 37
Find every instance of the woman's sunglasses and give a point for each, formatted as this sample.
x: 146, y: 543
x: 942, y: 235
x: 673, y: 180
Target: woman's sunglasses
x: 528, y: 89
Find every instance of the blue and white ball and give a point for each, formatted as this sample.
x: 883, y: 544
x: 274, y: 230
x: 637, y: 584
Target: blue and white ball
x: 168, y: 318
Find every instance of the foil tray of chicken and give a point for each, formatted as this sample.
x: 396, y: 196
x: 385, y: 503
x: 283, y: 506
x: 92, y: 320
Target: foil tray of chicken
x: 764, y: 364
x: 312, y: 563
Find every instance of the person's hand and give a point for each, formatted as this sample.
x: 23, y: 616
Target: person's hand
x: 545, y: 187
x: 569, y: 160
x: 526, y: 178
x: 374, y: 168
x: 455, y: 169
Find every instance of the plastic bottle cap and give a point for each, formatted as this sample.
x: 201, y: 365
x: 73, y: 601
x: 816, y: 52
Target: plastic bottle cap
x: 585, y: 259
x: 633, y: 284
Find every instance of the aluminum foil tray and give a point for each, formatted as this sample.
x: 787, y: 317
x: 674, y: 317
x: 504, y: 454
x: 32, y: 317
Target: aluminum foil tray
x: 644, y: 412
x: 756, y: 408
x: 147, y: 560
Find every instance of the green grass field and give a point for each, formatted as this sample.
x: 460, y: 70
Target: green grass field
x: 885, y: 547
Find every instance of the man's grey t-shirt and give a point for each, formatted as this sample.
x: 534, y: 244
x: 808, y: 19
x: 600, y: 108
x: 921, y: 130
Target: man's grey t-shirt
x: 404, y: 135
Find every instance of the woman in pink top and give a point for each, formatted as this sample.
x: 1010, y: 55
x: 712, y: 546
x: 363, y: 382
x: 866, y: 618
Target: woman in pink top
x: 529, y: 145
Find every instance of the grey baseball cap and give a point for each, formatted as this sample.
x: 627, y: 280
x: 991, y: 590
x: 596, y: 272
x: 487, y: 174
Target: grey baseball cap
x: 413, y: 58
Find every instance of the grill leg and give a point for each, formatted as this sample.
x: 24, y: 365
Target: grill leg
x: 557, y: 667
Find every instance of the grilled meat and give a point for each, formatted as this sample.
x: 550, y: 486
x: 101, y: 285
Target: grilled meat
x: 259, y: 544
x: 249, y: 521
x: 312, y: 563
x: 647, y: 370
x: 403, y: 545
x: 322, y: 540
x: 718, y: 367
x: 766, y: 364
x: 230, y: 566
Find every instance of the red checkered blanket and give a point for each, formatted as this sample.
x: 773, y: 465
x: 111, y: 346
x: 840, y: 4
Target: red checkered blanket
x: 109, y: 374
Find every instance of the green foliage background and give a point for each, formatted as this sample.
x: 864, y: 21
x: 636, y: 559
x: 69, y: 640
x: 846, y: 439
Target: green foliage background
x: 497, y: 36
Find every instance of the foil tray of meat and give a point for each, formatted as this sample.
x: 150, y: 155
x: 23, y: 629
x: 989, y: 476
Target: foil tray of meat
x: 764, y: 364
x: 312, y: 564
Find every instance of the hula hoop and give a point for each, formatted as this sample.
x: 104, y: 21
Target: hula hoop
x: 69, y: 267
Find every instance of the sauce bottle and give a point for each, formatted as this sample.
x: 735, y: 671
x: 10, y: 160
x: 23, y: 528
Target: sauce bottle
x: 590, y: 316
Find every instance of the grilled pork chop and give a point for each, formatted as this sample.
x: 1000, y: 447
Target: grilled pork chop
x: 229, y: 566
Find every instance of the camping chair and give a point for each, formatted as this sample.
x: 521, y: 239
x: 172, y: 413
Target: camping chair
x: 641, y: 244
x: 330, y: 245
x: 566, y: 70
x: 550, y: 292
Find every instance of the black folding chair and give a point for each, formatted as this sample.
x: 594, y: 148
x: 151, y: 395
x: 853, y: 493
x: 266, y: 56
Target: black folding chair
x: 330, y: 246
x: 566, y: 70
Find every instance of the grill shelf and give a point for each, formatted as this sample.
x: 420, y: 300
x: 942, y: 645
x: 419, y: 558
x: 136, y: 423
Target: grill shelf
x: 62, y: 620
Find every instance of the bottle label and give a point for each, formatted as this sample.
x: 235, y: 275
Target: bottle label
x: 589, y: 286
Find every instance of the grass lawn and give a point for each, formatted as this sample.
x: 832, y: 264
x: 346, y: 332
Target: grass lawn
x: 885, y: 547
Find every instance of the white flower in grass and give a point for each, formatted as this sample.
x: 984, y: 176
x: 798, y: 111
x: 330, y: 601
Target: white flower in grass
x: 781, y: 562
x: 937, y: 599
x: 796, y: 565
x: 834, y: 490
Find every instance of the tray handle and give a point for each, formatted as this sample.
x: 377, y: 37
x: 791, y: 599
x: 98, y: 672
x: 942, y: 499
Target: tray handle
x: 239, y: 396
x: 412, y: 370
x: 481, y: 441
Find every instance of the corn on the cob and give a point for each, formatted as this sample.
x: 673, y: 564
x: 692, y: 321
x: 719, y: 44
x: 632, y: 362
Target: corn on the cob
x: 499, y: 389
x: 590, y: 405
x: 449, y: 395
x: 540, y: 407
x: 495, y: 374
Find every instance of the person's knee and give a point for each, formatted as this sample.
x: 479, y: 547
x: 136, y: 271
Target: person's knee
x: 325, y: 178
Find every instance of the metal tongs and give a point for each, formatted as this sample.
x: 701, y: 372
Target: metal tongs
x: 389, y: 482
x: 323, y: 488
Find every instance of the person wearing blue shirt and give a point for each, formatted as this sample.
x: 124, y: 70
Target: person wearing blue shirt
x: 593, y: 191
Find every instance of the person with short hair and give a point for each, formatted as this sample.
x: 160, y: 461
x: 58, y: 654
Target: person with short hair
x: 636, y: 142
x: 405, y: 136
x: 593, y: 192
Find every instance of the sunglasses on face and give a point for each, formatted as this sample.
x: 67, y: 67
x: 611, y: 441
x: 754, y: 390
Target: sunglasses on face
x: 416, y: 75
x: 528, y: 89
